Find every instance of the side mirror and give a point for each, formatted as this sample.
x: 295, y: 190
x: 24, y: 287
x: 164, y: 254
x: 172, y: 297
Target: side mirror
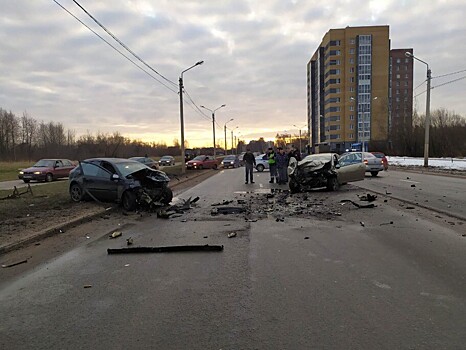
x: 115, y: 177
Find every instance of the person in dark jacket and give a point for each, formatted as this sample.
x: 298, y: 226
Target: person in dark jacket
x: 282, y: 165
x: 249, y: 162
x: 294, y: 153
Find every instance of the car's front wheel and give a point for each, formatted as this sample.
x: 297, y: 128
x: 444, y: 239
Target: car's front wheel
x: 332, y: 184
x: 49, y: 177
x: 128, y: 201
x: 294, y: 186
x: 215, y: 167
x: 260, y: 168
x: 167, y: 195
x: 76, y: 193
x: 374, y: 173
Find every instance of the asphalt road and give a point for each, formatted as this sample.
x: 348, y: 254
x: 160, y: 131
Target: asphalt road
x: 381, y: 278
x: 439, y: 192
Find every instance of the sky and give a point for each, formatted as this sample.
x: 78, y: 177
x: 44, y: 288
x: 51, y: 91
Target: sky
x: 254, y: 51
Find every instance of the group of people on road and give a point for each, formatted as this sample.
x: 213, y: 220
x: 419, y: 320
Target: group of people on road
x: 278, y: 163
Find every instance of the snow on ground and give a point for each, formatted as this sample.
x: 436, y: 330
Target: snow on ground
x: 444, y: 163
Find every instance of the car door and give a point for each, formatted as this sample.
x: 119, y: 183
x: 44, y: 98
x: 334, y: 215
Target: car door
x: 208, y: 162
x: 98, y: 181
x: 351, y: 168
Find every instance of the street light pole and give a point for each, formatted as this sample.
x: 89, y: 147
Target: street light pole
x: 183, y: 163
x: 213, y: 122
x: 299, y: 128
x: 225, y: 130
x: 427, y: 123
x: 232, y: 139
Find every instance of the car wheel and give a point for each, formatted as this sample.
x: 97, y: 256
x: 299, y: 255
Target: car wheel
x: 76, y: 193
x: 200, y: 167
x: 49, y: 177
x: 215, y: 167
x: 167, y: 195
x: 332, y: 184
x: 128, y: 201
x: 26, y: 181
x: 260, y: 168
x: 374, y: 173
x: 294, y: 186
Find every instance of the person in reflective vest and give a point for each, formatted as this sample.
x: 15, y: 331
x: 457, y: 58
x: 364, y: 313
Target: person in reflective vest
x: 272, y: 164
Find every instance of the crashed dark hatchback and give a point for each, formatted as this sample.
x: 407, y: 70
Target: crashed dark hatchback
x: 125, y: 181
x: 324, y: 170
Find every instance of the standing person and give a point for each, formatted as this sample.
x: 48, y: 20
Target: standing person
x: 249, y: 162
x: 272, y: 164
x: 282, y: 165
x: 294, y: 153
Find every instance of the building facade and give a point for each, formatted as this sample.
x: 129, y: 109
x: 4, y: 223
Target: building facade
x: 349, y: 89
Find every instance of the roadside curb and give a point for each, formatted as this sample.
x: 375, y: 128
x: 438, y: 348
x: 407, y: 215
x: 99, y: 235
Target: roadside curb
x: 427, y: 172
x: 52, y: 231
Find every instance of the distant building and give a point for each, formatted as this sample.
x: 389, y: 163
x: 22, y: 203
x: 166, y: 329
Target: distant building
x: 349, y: 89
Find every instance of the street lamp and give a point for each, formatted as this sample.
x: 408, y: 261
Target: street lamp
x: 427, y: 124
x: 299, y: 135
x: 183, y: 163
x: 225, y: 131
x: 232, y: 139
x: 213, y: 121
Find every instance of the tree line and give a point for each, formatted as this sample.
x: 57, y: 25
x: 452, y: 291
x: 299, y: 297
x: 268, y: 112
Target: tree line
x: 26, y: 138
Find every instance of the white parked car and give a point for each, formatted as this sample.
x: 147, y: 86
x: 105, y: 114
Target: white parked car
x: 262, y: 162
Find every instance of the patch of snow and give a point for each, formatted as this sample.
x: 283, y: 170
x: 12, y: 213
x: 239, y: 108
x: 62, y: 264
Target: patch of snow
x: 444, y: 163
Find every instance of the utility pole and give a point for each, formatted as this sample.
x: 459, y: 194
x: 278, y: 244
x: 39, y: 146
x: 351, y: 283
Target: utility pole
x: 213, y: 123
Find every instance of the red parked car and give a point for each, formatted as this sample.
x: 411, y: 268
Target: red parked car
x: 202, y: 162
x: 382, y: 157
x: 47, y: 170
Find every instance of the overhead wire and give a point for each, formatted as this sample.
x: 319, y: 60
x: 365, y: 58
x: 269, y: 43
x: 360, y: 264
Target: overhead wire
x: 113, y: 47
x: 122, y: 44
x: 196, y: 108
x: 448, y: 74
x: 446, y: 83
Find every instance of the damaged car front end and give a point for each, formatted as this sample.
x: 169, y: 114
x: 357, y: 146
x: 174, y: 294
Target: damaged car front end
x: 120, y: 180
x: 323, y: 170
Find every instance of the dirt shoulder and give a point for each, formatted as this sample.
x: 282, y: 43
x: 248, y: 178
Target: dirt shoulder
x: 32, y: 217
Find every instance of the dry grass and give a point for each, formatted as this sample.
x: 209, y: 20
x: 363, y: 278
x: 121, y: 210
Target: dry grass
x: 9, y: 170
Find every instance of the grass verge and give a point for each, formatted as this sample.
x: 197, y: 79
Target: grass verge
x: 9, y: 170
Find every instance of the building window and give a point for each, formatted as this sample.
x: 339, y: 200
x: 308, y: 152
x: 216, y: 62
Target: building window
x: 351, y: 89
x: 398, y: 60
x: 406, y: 83
x: 397, y: 83
x: 351, y: 117
x: 351, y: 60
x: 406, y: 60
x: 397, y: 68
x: 351, y: 108
x: 351, y: 136
x: 406, y: 76
x: 397, y: 91
x: 351, y: 70
x: 352, y: 41
x: 398, y: 76
x: 351, y: 51
x: 397, y: 99
x: 351, y: 126
x: 352, y: 80
x: 406, y: 67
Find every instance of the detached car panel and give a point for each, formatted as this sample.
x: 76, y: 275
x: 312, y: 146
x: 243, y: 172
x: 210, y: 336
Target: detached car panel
x: 323, y: 170
x: 119, y: 180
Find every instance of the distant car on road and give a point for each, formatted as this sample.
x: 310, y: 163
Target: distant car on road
x: 202, y: 162
x: 167, y: 161
x: 147, y: 161
x: 231, y: 161
x: 383, y: 158
x: 47, y: 170
x: 262, y: 163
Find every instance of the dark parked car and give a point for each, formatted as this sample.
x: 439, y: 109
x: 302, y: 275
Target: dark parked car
x: 202, y: 162
x: 167, y: 161
x: 324, y: 170
x: 126, y: 181
x: 147, y: 161
x: 230, y: 161
x: 47, y: 170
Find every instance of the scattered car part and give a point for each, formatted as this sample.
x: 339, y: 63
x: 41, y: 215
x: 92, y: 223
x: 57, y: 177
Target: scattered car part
x: 115, y: 234
x: 15, y: 263
x: 232, y: 234
x: 361, y: 206
x: 168, y: 249
x: 227, y: 210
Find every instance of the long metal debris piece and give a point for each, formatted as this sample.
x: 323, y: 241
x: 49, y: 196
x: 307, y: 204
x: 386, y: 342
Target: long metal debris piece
x: 169, y: 249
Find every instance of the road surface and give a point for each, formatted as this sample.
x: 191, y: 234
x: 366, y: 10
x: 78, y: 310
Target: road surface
x: 338, y: 278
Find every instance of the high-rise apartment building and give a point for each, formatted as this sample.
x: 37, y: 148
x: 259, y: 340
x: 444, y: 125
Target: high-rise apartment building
x: 349, y: 89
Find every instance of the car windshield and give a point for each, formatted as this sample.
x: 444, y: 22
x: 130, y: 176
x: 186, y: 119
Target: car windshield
x: 379, y: 155
x: 129, y: 167
x: 199, y: 158
x: 229, y: 158
x: 44, y: 163
x: 165, y: 158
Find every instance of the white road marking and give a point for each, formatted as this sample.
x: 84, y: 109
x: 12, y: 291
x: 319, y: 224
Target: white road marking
x: 414, y: 182
x: 381, y: 285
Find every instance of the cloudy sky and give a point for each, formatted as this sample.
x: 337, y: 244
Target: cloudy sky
x: 254, y: 51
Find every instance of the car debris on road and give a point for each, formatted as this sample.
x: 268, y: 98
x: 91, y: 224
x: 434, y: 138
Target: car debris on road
x: 167, y: 249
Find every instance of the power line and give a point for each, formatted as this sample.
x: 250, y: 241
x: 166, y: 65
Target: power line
x: 113, y: 47
x: 446, y: 83
x: 417, y: 87
x: 446, y: 75
x: 122, y: 44
x: 196, y: 108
